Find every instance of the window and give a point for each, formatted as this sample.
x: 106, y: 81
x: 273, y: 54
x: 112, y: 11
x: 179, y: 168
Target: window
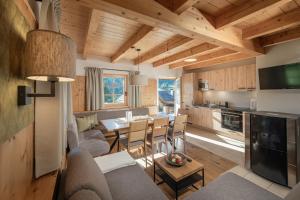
x: 115, y: 87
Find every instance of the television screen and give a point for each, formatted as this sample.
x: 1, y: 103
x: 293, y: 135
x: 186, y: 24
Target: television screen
x: 280, y: 77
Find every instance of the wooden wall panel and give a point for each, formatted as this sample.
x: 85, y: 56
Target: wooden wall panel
x: 13, y: 32
x: 149, y: 93
x: 16, y: 165
x: 78, y: 94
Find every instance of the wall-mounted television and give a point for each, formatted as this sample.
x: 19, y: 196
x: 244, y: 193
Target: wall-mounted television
x: 280, y: 77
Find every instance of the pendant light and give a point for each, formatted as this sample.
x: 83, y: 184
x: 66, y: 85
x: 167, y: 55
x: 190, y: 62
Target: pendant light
x: 139, y: 79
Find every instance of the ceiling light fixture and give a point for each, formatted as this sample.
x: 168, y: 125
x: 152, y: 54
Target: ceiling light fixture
x: 139, y: 79
x: 190, y: 60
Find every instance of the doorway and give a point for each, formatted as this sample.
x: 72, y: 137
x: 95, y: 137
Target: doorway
x: 168, y: 95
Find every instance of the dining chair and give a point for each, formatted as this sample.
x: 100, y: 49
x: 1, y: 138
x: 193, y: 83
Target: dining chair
x: 158, y: 134
x: 136, y: 137
x: 177, y: 131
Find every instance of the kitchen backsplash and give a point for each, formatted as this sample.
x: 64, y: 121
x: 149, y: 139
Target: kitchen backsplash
x: 235, y: 99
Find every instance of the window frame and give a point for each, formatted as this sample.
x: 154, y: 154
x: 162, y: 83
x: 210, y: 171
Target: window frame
x: 116, y: 105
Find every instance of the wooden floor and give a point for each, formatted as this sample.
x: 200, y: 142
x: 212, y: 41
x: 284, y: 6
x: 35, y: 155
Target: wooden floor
x: 214, y: 166
x: 43, y: 187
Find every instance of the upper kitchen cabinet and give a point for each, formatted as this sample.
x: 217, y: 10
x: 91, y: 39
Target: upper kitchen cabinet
x: 231, y: 79
x: 251, y: 77
x: 247, y: 77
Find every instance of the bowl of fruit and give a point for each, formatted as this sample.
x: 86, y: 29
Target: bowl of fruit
x: 176, y: 159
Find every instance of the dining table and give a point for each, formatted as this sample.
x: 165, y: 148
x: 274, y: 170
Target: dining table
x: 119, y: 125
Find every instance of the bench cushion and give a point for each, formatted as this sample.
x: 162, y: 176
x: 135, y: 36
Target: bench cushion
x: 84, y: 174
x: 232, y: 187
x: 132, y: 183
x: 96, y: 147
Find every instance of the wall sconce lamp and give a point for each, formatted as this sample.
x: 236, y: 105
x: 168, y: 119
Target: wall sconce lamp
x: 49, y: 56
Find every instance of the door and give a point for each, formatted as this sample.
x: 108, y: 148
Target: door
x: 187, y: 83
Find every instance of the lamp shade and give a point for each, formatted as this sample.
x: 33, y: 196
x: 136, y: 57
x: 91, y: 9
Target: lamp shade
x: 139, y: 79
x: 49, y: 56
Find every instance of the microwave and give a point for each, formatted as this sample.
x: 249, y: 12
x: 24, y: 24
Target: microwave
x: 202, y: 85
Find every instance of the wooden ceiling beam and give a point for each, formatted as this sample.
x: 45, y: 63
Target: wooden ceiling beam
x: 246, y: 11
x: 226, y: 59
x: 281, y: 22
x: 213, y: 55
x: 91, y: 31
x: 179, y: 6
x: 135, y: 38
x: 281, y: 37
x: 174, y: 42
x: 194, y: 51
x: 152, y: 13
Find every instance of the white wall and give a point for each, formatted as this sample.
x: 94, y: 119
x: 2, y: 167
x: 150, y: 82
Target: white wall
x: 235, y: 98
x: 146, y: 69
x: 279, y: 100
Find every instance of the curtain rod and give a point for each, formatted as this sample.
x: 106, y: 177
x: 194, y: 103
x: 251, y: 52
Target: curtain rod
x: 121, y: 70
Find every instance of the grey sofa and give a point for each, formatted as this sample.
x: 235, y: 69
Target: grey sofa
x: 233, y: 187
x: 94, y: 140
x: 83, y: 180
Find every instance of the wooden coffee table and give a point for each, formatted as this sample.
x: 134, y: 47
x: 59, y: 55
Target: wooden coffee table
x: 179, y: 178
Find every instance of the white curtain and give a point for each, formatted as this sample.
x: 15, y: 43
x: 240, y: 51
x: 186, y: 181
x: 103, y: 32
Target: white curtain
x: 134, y: 94
x: 94, y: 89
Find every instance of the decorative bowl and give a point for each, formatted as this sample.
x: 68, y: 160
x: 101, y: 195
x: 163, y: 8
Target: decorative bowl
x: 176, y: 159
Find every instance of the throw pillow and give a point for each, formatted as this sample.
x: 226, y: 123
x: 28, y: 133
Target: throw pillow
x: 83, y: 124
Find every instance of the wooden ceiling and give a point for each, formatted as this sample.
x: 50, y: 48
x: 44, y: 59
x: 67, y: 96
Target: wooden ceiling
x: 170, y: 31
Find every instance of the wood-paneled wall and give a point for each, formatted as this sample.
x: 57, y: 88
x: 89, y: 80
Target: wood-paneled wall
x: 16, y: 165
x: 149, y: 93
x: 78, y: 94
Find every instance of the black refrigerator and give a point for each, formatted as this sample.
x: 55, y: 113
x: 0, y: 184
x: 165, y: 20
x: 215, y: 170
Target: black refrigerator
x: 268, y: 147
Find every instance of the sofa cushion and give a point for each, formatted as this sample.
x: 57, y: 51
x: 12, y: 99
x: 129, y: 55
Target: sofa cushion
x: 85, y: 195
x: 232, y: 187
x: 92, y: 134
x: 132, y: 183
x: 294, y: 193
x: 72, y: 134
x: 83, y: 173
x: 83, y: 124
x: 95, y: 147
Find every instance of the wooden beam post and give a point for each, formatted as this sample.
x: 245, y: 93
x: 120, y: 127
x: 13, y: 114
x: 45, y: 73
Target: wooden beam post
x: 139, y: 35
x: 153, y: 14
x: 174, y: 42
x: 194, y: 51
x: 210, y: 56
x: 246, y: 11
x: 279, y: 23
x: 281, y: 37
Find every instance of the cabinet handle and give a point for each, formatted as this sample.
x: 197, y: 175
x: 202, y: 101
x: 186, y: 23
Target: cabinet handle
x: 241, y: 88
